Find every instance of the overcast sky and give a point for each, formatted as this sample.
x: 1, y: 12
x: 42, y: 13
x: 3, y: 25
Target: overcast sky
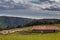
x: 30, y: 8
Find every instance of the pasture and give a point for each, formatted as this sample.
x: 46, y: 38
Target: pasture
x: 32, y: 36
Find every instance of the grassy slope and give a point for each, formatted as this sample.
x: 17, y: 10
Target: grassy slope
x: 33, y: 36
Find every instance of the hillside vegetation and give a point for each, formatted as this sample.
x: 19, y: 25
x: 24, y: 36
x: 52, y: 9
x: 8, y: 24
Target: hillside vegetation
x: 18, y: 22
x: 31, y: 36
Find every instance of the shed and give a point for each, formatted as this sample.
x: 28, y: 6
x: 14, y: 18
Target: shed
x: 45, y: 28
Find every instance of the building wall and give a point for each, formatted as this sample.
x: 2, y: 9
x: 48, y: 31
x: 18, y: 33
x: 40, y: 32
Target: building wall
x: 45, y: 31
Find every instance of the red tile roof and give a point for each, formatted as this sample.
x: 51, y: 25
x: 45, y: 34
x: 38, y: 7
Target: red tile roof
x: 45, y: 27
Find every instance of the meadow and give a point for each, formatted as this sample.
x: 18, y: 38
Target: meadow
x: 32, y: 36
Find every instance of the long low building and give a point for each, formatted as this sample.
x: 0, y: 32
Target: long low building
x: 45, y: 28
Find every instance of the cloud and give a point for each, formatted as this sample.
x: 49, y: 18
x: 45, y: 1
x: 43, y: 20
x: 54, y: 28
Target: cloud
x: 55, y: 6
x: 31, y: 8
x: 12, y: 4
x: 50, y: 5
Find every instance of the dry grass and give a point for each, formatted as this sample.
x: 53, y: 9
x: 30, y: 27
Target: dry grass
x: 32, y: 36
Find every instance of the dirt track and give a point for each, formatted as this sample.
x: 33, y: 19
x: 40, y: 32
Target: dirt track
x: 14, y: 30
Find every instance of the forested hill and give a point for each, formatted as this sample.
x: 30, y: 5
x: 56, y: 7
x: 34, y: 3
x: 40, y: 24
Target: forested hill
x: 13, y: 22
x: 44, y: 22
x: 17, y: 22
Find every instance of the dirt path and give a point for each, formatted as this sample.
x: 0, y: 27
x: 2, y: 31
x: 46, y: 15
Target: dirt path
x: 14, y: 30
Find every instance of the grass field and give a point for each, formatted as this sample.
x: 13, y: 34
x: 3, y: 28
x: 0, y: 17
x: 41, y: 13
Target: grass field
x: 32, y: 36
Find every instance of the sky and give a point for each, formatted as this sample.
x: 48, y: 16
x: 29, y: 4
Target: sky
x: 36, y: 9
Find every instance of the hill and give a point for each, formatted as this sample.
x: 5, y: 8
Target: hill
x: 17, y: 22
x: 13, y: 22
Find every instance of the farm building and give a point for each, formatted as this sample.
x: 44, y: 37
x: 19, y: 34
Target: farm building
x: 45, y: 28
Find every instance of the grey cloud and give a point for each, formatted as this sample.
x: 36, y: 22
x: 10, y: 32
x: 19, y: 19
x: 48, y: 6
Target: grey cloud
x: 31, y: 14
x: 12, y: 5
x: 33, y: 9
x: 51, y: 5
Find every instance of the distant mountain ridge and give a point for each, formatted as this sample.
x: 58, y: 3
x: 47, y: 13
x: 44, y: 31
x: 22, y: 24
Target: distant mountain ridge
x: 11, y: 22
x: 14, y: 22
